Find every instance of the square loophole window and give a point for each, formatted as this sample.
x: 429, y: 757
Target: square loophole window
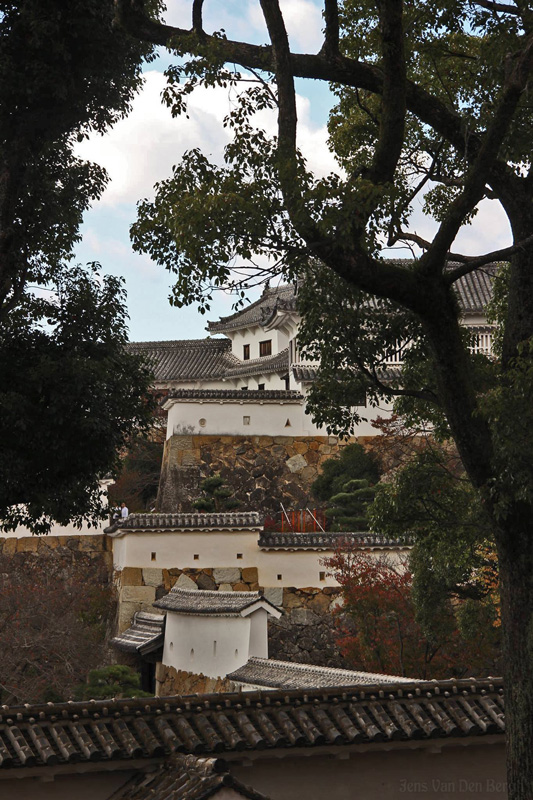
x: 196, y: 556
x: 246, y: 420
x: 322, y: 576
x: 153, y: 556
x: 239, y: 555
x: 280, y: 577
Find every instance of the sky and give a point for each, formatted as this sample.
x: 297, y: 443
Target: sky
x: 142, y: 149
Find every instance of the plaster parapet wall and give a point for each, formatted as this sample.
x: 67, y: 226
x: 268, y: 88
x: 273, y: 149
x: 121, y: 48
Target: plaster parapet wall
x: 238, y: 550
x: 263, y: 471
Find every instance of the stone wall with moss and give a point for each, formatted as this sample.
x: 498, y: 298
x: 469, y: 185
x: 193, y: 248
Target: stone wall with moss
x: 262, y: 470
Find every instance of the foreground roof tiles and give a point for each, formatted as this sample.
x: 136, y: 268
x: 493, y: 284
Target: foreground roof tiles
x: 240, y: 722
x: 287, y: 675
x: 184, y: 778
x: 211, y: 603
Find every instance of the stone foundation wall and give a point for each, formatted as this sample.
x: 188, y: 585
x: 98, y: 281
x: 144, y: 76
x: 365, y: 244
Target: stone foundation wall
x: 305, y: 633
x: 66, y: 550
x: 262, y: 470
x: 169, y: 681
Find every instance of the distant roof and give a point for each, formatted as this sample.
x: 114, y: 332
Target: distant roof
x: 474, y: 291
x: 144, y: 636
x: 271, y: 540
x: 224, y: 520
x: 185, y: 778
x: 213, y: 603
x: 187, y: 359
x: 259, y: 311
x: 288, y: 675
x: 117, y: 731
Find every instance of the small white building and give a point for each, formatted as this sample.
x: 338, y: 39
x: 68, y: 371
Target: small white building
x: 214, y: 633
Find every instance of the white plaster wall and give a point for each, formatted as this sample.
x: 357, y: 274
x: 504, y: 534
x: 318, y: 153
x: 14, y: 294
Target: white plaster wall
x: 211, y: 646
x: 227, y: 418
x: 82, y: 786
x: 222, y: 549
x: 432, y: 772
x: 253, y: 336
x: 259, y: 633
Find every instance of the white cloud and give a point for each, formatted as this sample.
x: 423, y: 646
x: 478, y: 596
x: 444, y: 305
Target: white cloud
x: 142, y: 149
x: 243, y: 20
x: 303, y: 20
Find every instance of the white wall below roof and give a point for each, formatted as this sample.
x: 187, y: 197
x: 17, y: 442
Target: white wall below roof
x: 239, y: 418
x: 222, y: 549
x: 210, y: 646
x: 252, y: 337
x: 227, y: 418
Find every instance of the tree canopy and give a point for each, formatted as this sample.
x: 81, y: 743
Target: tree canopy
x: 69, y: 393
x: 432, y: 96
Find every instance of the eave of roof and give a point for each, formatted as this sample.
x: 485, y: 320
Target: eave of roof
x: 122, y: 730
x: 289, y: 675
x: 256, y: 312
x: 219, y: 521
x: 232, y: 396
x: 145, y: 635
x: 192, y: 602
x: 329, y: 540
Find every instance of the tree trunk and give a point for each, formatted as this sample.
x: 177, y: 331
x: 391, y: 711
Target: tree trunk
x: 515, y: 551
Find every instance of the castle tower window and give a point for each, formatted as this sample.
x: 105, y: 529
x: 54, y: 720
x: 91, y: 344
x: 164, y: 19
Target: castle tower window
x: 246, y: 352
x: 260, y: 387
x: 246, y: 420
x: 288, y: 424
x: 265, y: 348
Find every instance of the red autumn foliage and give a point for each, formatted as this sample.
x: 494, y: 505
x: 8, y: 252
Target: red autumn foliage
x: 378, y: 630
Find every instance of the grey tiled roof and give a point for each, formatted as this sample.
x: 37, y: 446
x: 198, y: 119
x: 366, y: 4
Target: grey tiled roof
x: 263, y: 366
x: 145, y: 635
x: 288, y: 675
x: 117, y: 731
x: 228, y: 520
x: 248, y: 396
x: 303, y: 372
x: 185, y: 778
x: 271, y: 540
x: 258, y: 311
x: 474, y: 291
x: 187, y: 359
x: 211, y: 603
